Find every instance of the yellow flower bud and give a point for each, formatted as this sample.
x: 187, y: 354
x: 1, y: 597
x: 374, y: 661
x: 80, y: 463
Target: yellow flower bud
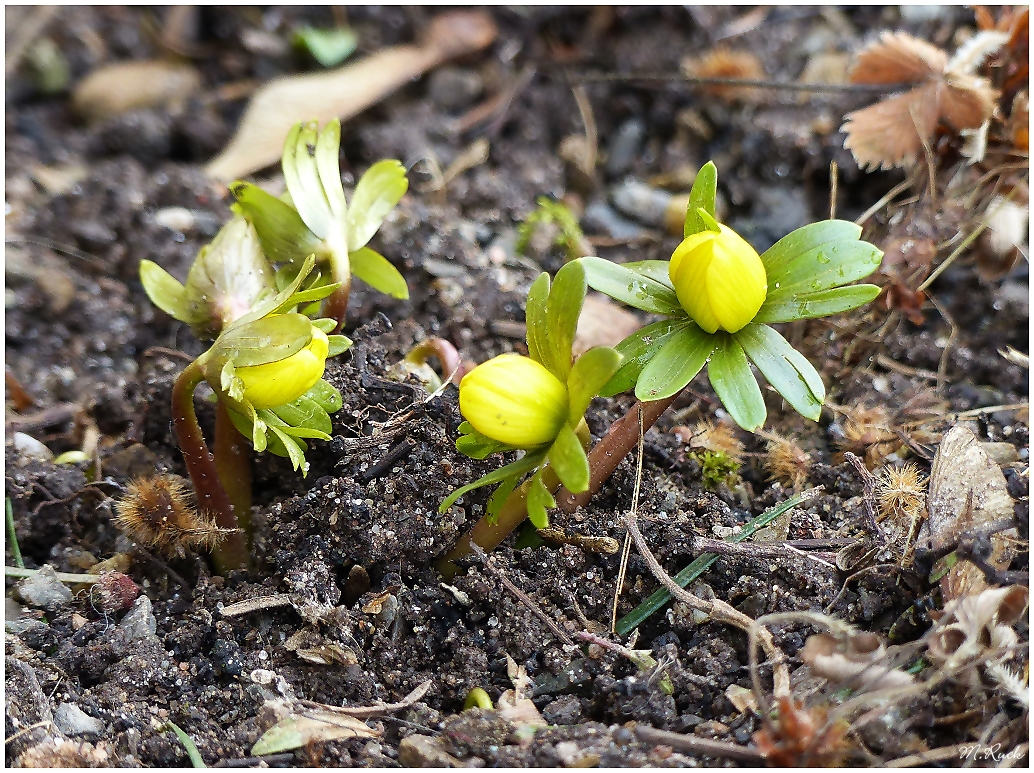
x: 719, y: 279
x: 514, y: 400
x: 281, y: 382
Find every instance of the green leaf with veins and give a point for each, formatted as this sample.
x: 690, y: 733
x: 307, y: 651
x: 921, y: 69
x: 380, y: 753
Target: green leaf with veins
x: 785, y: 368
x: 733, y: 381
x: 637, y: 351
x: 822, y: 268
x: 588, y: 375
x: 676, y: 364
x: 165, y: 291
x: 777, y: 257
x: 569, y: 461
x: 563, y: 308
x: 701, y: 197
x: 631, y: 287
x: 281, y: 231
x: 378, y: 191
x: 819, y: 304
x: 374, y: 269
x: 535, y: 322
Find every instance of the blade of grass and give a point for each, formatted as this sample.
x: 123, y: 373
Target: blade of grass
x: 188, y: 743
x: 12, y: 537
x: 703, y: 562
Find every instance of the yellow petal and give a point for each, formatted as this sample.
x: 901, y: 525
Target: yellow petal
x: 514, y: 400
x: 283, y: 381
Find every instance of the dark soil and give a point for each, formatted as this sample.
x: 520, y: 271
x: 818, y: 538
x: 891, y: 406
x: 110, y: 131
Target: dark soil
x: 80, y: 330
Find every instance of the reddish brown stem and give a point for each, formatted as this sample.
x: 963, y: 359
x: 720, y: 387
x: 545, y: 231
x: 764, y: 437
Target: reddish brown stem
x: 336, y: 305
x: 212, y: 498
x: 233, y: 461
x: 605, y: 457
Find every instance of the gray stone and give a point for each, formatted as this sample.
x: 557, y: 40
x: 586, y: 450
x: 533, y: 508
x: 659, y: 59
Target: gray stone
x: 454, y: 88
x: 624, y: 146
x: 44, y: 591
x: 73, y: 721
x: 423, y: 751
x: 30, y: 448
x: 139, y: 622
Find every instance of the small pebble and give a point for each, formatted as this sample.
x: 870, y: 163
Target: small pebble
x: 454, y: 88
x: 625, y: 146
x: 73, y: 721
x: 44, y: 591
x: 139, y: 622
x: 30, y: 448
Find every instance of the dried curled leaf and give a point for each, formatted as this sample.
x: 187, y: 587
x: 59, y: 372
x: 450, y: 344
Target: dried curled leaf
x: 892, y: 132
x: 976, y: 624
x: 855, y: 661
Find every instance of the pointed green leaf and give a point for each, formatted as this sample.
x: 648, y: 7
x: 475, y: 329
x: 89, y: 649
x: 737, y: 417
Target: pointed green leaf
x: 498, y: 499
x: 165, y: 291
x: 535, y: 321
x: 378, y: 191
x: 305, y: 412
x: 731, y: 378
x: 539, y: 502
x: 785, y: 368
x: 563, y: 307
x: 303, y: 179
x: 675, y: 365
x: 265, y: 340
x: 525, y: 464
x: 804, y: 239
x: 702, y: 196
x: 657, y: 270
x: 631, y: 287
x: 569, y: 461
x: 324, y: 324
x: 330, y: 47
x: 710, y: 224
x: 374, y: 269
x: 821, y: 304
x: 326, y: 396
x: 588, y: 375
x: 337, y: 344
x: 313, y: 293
x: 477, y: 446
x: 829, y: 265
x: 270, y: 305
x: 294, y: 450
x: 281, y: 231
x: 636, y: 351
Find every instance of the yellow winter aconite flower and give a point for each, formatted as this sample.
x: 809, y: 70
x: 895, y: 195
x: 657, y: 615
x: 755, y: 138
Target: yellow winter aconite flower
x: 719, y: 279
x: 514, y: 400
x: 277, y: 383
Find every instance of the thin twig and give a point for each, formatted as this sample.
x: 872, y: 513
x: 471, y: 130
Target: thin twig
x: 942, y: 365
x: 834, y: 179
x: 703, y: 746
x: 368, y: 712
x: 255, y: 605
x: 591, y: 142
x: 523, y: 597
x: 69, y: 577
x: 717, y: 610
x: 839, y: 88
x: 753, y: 550
x: 883, y: 202
x: 627, y: 549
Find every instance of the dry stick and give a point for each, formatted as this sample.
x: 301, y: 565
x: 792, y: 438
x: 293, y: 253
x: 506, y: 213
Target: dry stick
x: 883, y: 202
x: 521, y: 595
x: 834, y: 179
x: 626, y: 551
x: 613, y: 447
x: 942, y: 365
x: 752, y: 550
x: 838, y: 88
x: 367, y: 712
x: 717, y: 610
x: 255, y: 605
x: 704, y: 746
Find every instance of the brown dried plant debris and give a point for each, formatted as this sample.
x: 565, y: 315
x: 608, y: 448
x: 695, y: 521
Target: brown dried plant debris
x: 724, y: 62
x: 978, y: 626
x: 892, y: 132
x: 713, y: 437
x: 858, y: 660
x: 158, y: 512
x: 801, y: 738
x: 786, y: 461
x: 901, y: 496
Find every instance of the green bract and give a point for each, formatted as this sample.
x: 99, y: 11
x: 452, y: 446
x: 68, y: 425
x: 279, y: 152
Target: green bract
x: 807, y: 274
x: 552, y: 317
x: 316, y: 219
x: 273, y: 332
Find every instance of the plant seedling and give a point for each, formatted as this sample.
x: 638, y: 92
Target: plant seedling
x: 720, y: 296
x: 534, y: 404
x: 314, y: 217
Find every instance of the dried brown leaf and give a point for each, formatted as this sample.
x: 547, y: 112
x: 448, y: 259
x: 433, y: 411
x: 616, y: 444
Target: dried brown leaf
x: 724, y: 62
x: 888, y: 134
x: 898, y: 58
x: 344, y: 92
